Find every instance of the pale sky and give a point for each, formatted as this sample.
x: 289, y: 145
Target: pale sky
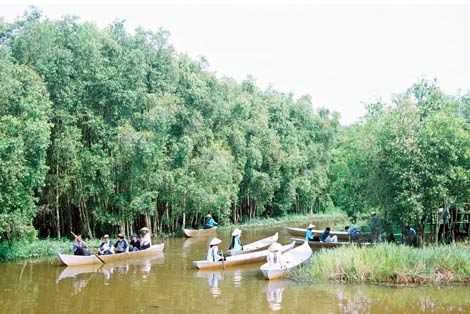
x: 342, y: 55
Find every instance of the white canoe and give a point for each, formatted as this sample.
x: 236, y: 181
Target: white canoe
x: 241, y: 259
x: 190, y: 233
x: 255, y: 246
x: 74, y: 260
x: 300, y: 232
x: 292, y: 259
x: 321, y: 245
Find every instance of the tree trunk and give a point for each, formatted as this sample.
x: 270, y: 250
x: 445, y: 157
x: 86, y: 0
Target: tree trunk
x: 57, y: 211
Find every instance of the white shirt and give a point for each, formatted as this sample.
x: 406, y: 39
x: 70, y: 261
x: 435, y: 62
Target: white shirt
x: 146, y: 240
x: 212, y: 255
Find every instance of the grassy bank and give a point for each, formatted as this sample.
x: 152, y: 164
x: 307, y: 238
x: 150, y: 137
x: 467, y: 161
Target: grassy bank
x: 37, y: 248
x: 390, y: 264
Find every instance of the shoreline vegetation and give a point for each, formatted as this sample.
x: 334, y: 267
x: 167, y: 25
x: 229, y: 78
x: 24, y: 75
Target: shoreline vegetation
x: 390, y: 264
x: 24, y: 249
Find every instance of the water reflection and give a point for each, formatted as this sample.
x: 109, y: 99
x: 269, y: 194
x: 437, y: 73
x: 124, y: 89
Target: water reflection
x: 110, y: 272
x: 274, y: 292
x: 213, y: 279
x: 237, y: 278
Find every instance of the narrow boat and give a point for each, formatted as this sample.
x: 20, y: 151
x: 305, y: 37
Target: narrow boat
x: 300, y: 232
x: 255, y: 246
x: 248, y: 258
x: 190, y: 233
x: 74, y: 260
x: 292, y: 259
x: 321, y: 245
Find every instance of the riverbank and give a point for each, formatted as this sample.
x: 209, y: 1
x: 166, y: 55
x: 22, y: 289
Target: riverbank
x: 49, y: 247
x: 390, y: 264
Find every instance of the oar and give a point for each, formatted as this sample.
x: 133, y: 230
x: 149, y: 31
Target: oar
x: 96, y: 254
x: 223, y: 260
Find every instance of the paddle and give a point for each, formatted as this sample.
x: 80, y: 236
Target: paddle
x: 96, y: 254
x: 223, y: 260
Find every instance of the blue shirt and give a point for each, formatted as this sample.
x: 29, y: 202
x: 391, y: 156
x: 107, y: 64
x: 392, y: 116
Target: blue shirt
x: 211, y: 223
x: 237, y: 244
x: 309, y: 235
x: 325, y: 235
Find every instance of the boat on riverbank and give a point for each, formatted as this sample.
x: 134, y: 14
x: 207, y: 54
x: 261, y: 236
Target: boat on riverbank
x: 241, y: 259
x: 321, y: 245
x: 300, y: 232
x: 190, y: 233
x: 74, y: 260
x: 293, y: 258
x: 255, y: 246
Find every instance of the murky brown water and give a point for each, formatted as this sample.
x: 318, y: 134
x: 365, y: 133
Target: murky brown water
x: 168, y: 283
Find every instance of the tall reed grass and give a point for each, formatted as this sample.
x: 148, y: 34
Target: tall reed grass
x: 390, y: 264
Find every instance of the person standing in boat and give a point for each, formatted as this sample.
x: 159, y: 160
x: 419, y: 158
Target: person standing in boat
x: 235, y: 242
x: 213, y: 252
x: 146, y: 240
x: 353, y: 233
x: 134, y: 245
x: 326, y: 236
x: 210, y: 223
x: 106, y: 247
x: 274, y: 257
x: 375, y: 227
x: 121, y: 244
x: 309, y: 233
x: 79, y: 246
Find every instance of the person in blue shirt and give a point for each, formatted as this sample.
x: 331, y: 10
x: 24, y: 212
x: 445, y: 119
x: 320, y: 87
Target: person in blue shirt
x: 309, y: 235
x: 121, y: 244
x: 235, y: 243
x: 213, y: 252
x: 210, y: 223
x: 326, y: 237
x: 353, y: 233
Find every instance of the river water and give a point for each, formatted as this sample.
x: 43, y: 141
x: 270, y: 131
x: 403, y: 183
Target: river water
x: 168, y: 283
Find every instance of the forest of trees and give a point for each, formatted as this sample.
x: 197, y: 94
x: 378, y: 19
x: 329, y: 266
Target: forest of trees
x: 103, y: 130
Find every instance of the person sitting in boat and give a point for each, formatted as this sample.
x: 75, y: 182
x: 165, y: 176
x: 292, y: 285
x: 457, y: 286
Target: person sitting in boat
x: 274, y: 256
x: 106, y: 248
x: 353, y: 233
x: 134, y: 245
x: 309, y: 233
x: 79, y: 246
x: 146, y: 240
x: 210, y: 223
x: 121, y: 244
x: 235, y: 242
x: 213, y: 252
x: 326, y: 236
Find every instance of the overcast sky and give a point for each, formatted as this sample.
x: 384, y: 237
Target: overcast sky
x: 341, y: 55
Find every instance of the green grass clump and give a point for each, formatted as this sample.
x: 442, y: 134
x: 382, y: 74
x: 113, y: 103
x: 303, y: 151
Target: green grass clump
x: 35, y: 248
x: 390, y: 264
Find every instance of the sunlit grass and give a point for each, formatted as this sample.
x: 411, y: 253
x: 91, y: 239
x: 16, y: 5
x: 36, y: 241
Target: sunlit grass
x: 390, y: 264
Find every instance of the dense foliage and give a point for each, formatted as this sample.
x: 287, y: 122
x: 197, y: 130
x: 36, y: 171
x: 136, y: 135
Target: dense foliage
x: 407, y: 159
x: 142, y: 135
x: 107, y: 131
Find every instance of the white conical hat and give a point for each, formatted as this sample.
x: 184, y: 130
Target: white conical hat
x: 275, y: 247
x: 215, y: 241
x: 236, y: 232
x: 311, y: 226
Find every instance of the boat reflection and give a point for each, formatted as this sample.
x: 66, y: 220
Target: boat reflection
x: 213, y: 279
x: 274, y: 291
x: 237, y: 278
x: 137, y: 269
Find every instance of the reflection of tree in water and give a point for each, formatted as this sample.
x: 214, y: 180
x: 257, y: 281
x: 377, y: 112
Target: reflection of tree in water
x: 360, y: 303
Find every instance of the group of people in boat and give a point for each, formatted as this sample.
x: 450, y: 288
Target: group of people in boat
x: 107, y: 247
x: 409, y: 236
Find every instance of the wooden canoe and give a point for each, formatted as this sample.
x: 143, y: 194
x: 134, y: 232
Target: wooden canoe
x: 321, y: 245
x: 300, y: 232
x: 74, y: 260
x: 293, y: 258
x: 242, y: 259
x: 255, y: 246
x: 190, y: 233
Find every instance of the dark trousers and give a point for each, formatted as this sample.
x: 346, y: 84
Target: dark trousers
x: 81, y: 251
